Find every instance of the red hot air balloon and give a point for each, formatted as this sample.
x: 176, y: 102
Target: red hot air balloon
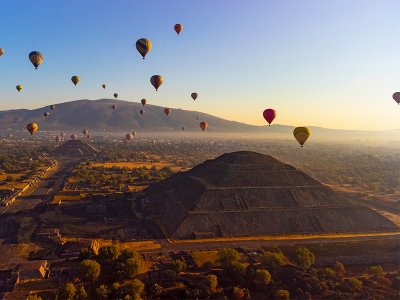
x: 203, y: 125
x: 269, y: 115
x: 167, y: 111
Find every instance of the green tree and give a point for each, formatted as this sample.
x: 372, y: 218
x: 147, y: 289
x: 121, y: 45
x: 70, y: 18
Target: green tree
x: 376, y: 271
x: 262, y: 278
x: 228, y: 257
x: 212, y: 282
x: 273, y: 261
x: 304, y: 258
x: 81, y: 292
x: 84, y: 254
x: 179, y: 265
x: 103, y: 292
x: 135, y: 289
x: 354, y: 284
x: 108, y: 252
x: 339, y: 269
x: 67, y: 291
x: 282, y: 295
x: 89, y: 270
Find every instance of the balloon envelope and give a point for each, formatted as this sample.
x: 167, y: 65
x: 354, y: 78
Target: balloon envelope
x: 396, y: 97
x: 156, y: 81
x: 203, y: 125
x: 52, y: 107
x: 167, y: 111
x: 143, y: 101
x: 46, y: 114
x: 74, y: 136
x: 142, y: 112
x: 19, y: 88
x: 36, y: 58
x: 115, y: 95
x: 103, y: 85
x: 178, y: 28
x: 194, y: 96
x: 143, y: 46
x: 1, y: 51
x: 75, y: 79
x: 269, y: 115
x: 113, y: 106
x: 32, y: 128
x: 301, y: 134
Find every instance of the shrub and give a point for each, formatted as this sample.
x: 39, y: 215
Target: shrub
x: 89, y: 270
x: 262, y: 278
x: 282, y: 295
x: 304, y: 258
x: 67, y: 291
x: 179, y: 265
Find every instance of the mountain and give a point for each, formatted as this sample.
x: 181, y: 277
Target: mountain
x: 251, y: 194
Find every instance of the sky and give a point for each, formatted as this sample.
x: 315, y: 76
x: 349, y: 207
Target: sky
x: 332, y: 64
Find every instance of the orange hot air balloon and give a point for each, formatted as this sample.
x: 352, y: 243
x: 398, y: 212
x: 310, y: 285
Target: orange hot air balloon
x: 178, y: 28
x: 143, y: 101
x: 194, y: 96
x: 301, y: 134
x: 167, y: 111
x: 141, y: 112
x: 46, y: 114
x: 32, y: 128
x: 203, y: 125
x: 156, y: 81
x: 75, y: 79
x: 19, y: 88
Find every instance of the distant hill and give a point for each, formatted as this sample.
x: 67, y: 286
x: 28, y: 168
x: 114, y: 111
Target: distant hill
x: 251, y: 194
x: 97, y: 115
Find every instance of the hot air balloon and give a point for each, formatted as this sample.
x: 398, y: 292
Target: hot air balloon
x: 36, y: 58
x: 1, y: 51
x: 62, y: 134
x: 75, y: 79
x: 19, y: 88
x: 143, y: 101
x: 156, y: 81
x: 143, y: 46
x: 57, y: 139
x: 301, y: 134
x: 113, y: 106
x: 103, y: 86
x: 203, y: 125
x: 396, y: 97
x: 115, y: 95
x: 197, y: 118
x: 52, y: 107
x: 128, y: 136
x: 85, y: 131
x: 194, y: 96
x: 133, y: 132
x: 269, y: 115
x: 178, y: 28
x: 46, y: 114
x: 141, y: 112
x: 74, y: 137
x: 167, y: 111
x: 183, y: 128
x: 32, y: 128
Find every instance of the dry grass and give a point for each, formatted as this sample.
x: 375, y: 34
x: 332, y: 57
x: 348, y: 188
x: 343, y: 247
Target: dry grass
x: 15, y: 253
x: 139, y: 245
x: 132, y: 165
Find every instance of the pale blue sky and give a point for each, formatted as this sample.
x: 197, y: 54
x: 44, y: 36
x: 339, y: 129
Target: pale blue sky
x: 325, y: 63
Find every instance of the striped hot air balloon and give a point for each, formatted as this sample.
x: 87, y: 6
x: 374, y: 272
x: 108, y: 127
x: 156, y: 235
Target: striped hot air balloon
x: 156, y: 81
x: 178, y: 28
x: 301, y: 134
x: 19, y: 88
x: 36, y: 58
x: 32, y: 128
x: 143, y: 46
x: 75, y: 79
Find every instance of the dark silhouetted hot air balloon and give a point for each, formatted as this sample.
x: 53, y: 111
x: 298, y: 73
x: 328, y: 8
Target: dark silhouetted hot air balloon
x: 32, y: 128
x: 167, y: 111
x: 52, y: 107
x: 194, y: 96
x: 115, y: 95
x: 143, y: 101
x: 19, y: 88
x: 36, y: 58
x: 103, y: 86
x: 141, y: 112
x: 396, y: 97
x: 46, y: 114
x: 143, y: 46
x: 197, y: 118
x: 57, y: 139
x: 113, y: 106
x: 75, y: 79
x: 301, y: 134
x: 203, y: 125
x: 269, y: 115
x: 85, y: 131
x: 1, y: 51
x: 178, y: 28
x: 156, y: 81
x: 183, y: 128
x: 74, y: 137
x: 128, y: 136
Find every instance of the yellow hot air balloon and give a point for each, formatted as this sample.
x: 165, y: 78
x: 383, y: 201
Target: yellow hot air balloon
x: 156, y: 81
x: 178, y: 28
x: 36, y: 58
x: 1, y: 51
x: 301, y: 134
x: 32, y: 128
x: 75, y: 79
x: 143, y: 46
x: 19, y: 88
x: 103, y: 86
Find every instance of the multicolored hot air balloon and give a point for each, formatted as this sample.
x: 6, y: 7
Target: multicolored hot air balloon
x: 103, y: 86
x: 178, y: 28
x: 143, y: 101
x: 143, y: 46
x: 141, y: 112
x: 301, y: 134
x: 19, y: 88
x: 203, y: 125
x: 32, y: 128
x: 46, y: 114
x: 85, y: 131
x: 167, y: 111
x: 113, y: 106
x: 269, y: 115
x: 74, y: 137
x: 1, y: 51
x: 115, y: 95
x: 52, y: 107
x: 396, y: 97
x: 194, y: 96
x: 75, y: 79
x: 156, y: 81
x: 36, y: 58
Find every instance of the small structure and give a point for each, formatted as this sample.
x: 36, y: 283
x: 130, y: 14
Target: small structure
x: 52, y: 233
x: 31, y: 271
